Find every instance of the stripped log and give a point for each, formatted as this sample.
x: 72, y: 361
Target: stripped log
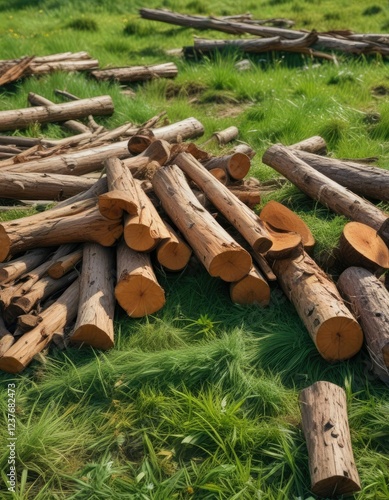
x: 251, y: 289
x: 369, y: 301
x: 12, y: 270
x: 236, y: 165
x: 326, y: 191
x: 214, y: 247
x: 64, y: 264
x: 55, y: 318
x: 173, y: 253
x: 6, y: 338
x: 325, y: 425
x: 22, y: 118
x: 333, y: 329
x: 137, y: 290
x: 137, y: 73
x: 94, y: 325
x: 190, y: 128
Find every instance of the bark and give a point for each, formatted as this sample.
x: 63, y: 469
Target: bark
x: 55, y: 318
x: 27, y: 322
x: 314, y: 144
x: 137, y: 73
x: 64, y: 264
x: 173, y: 254
x: 245, y: 149
x: 263, y: 265
x: 326, y: 191
x: 369, y: 301
x: 226, y: 135
x: 94, y: 325
x: 139, y: 142
x: 333, y: 329
x: 365, y: 180
x: 158, y: 151
x: 332, y: 467
x: 22, y: 142
x: 6, y: 338
x: 12, y: 270
x: 12, y: 72
x: 98, y: 188
x: 236, y: 165
x: 251, y: 289
x: 49, y: 67
x: 190, y: 128
x: 214, y: 247
x: 137, y: 290
x: 22, y: 118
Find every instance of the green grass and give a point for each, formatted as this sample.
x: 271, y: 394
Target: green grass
x: 200, y: 400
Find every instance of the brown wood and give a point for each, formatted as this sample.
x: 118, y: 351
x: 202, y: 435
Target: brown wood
x: 251, y: 289
x: 215, y: 248
x: 139, y: 142
x: 64, y: 264
x: 237, y: 213
x: 12, y: 270
x: 22, y: 118
x: 226, y: 135
x: 98, y: 188
x: 237, y: 165
x: 190, y: 128
x: 359, y: 245
x: 220, y: 174
x: 245, y: 149
x: 368, y: 299
x: 314, y: 144
x: 332, y: 467
x: 250, y: 196
x: 333, y: 329
x: 326, y: 191
x: 10, y: 73
x: 94, y: 325
x: 137, y: 73
x: 284, y: 243
x: 55, y: 318
x: 137, y: 290
x: 6, y: 338
x: 173, y: 253
x: 27, y: 322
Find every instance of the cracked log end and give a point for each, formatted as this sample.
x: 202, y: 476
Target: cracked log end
x: 339, y: 338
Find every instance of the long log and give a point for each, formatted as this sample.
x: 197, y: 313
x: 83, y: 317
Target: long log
x: 12, y: 270
x: 94, y: 325
x: 137, y: 290
x: 55, y: 318
x: 325, y: 425
x: 137, y: 73
x: 64, y: 264
x: 315, y: 144
x: 251, y: 289
x: 326, y: 191
x: 220, y: 254
x: 173, y: 253
x: 333, y: 329
x: 22, y: 118
x: 369, y: 301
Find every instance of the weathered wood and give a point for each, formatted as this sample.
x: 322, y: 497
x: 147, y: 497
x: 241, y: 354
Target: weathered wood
x: 250, y: 196
x: 94, y: 325
x: 314, y: 144
x: 6, y: 338
x: 245, y: 149
x: 27, y: 322
x: 368, y: 299
x: 251, y: 289
x: 190, y: 128
x: 12, y: 270
x: 137, y: 73
x: 173, y: 253
x: 55, y: 318
x: 326, y: 191
x: 332, y: 467
x: 236, y: 165
x: 22, y: 118
x: 64, y: 264
x: 333, y: 329
x: 214, y: 247
x: 137, y: 290
x: 226, y: 135
x: 12, y: 72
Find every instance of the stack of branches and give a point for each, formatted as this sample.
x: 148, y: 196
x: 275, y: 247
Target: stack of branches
x: 272, y: 38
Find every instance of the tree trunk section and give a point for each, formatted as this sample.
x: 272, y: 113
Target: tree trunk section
x: 190, y: 128
x: 332, y: 467
x: 236, y: 165
x: 137, y: 73
x: 137, y: 290
x: 12, y: 270
x: 64, y: 264
x: 94, y: 325
x: 173, y: 254
x: 314, y: 144
x: 333, y: 329
x: 251, y: 289
x: 220, y: 254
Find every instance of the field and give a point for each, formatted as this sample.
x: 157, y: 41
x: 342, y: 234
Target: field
x: 200, y: 400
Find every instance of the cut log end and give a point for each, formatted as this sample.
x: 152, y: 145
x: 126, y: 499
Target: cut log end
x: 139, y: 237
x: 239, y: 165
x: 250, y: 290
x: 339, y: 338
x: 5, y: 244
x: 11, y: 364
x: 262, y: 244
x: 94, y: 336
x: 337, y: 485
x: 113, y: 204
x: 173, y: 256
x: 231, y: 265
x: 139, y: 296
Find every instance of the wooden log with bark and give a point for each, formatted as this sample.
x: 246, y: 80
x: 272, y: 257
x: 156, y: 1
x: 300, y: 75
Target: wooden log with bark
x: 173, y: 253
x: 137, y: 289
x: 325, y: 190
x: 12, y: 270
x: 64, y: 264
x: 332, y: 327
x: 137, y: 73
x: 325, y: 425
x: 94, y: 325
x: 6, y: 338
x: 251, y: 289
x: 236, y: 165
x: 315, y: 144
x: 214, y: 247
x: 55, y: 318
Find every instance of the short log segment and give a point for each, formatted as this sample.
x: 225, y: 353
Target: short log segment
x: 369, y: 301
x: 236, y: 165
x: 94, y: 325
x: 173, y: 254
x: 325, y: 424
x: 137, y: 73
x: 333, y: 329
x: 237, y: 213
x: 137, y: 290
x: 55, y: 318
x: 220, y: 254
x: 252, y: 289
x: 64, y: 264
x: 12, y: 270
x: 22, y: 118
x: 326, y: 191
x: 314, y: 144
x: 6, y: 338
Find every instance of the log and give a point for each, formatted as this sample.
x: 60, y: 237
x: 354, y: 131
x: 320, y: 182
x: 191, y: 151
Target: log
x: 326, y: 191
x: 138, y: 143
x: 6, y: 341
x: 137, y: 290
x: 359, y: 245
x: 55, y: 318
x: 13, y: 72
x: 365, y: 180
x: 245, y: 149
x: 80, y: 222
x: 43, y: 69
x: 250, y: 196
x: 251, y: 289
x: 173, y: 254
x: 368, y: 299
x: 282, y: 218
x: 220, y: 174
x: 333, y: 329
x: 214, y: 247
x: 22, y: 118
x: 64, y: 264
x: 236, y: 165
x: 190, y: 128
x: 226, y: 135
x: 12, y: 270
x: 94, y: 325
x: 22, y: 142
x: 237, y: 213
x: 27, y: 322
x: 137, y: 73
x: 314, y: 144
x: 325, y: 425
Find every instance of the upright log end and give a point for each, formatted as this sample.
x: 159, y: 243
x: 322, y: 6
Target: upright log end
x: 339, y: 338
x: 94, y: 336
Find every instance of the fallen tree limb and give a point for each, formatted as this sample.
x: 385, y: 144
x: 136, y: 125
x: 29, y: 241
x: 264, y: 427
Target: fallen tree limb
x: 137, y: 73
x: 64, y: 264
x: 12, y: 270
